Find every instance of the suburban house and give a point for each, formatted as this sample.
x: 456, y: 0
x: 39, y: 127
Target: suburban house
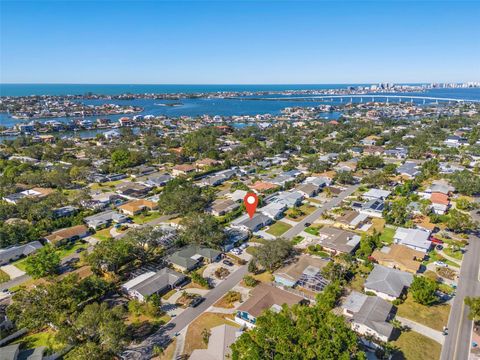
x: 288, y: 198
x: 353, y: 220
x: 234, y: 236
x: 308, y: 190
x: 409, y: 170
x: 32, y: 193
x: 132, y: 190
x: 399, y: 257
x: 387, y: 283
x: 204, y: 163
x: 190, y: 257
x: 183, y: 170
x: 135, y: 207
x: 257, y: 222
x: 104, y: 219
x: 13, y: 352
x: 415, y: 239
x: 155, y: 180
x: 440, y: 202
x: 264, y: 297
x: 221, y: 337
x: 237, y: 195
x: 221, y: 207
x: 370, y: 315
x: 337, y: 241
x: 370, y: 140
x: 67, y: 234
x: 160, y: 282
x: 64, y: 211
x: 273, y: 210
x: 375, y: 194
x: 261, y: 186
x: 373, y: 208
x: 304, y: 271
x: 15, y: 252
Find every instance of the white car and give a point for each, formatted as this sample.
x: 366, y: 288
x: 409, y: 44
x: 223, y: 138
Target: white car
x: 441, y: 264
x: 236, y: 251
x: 243, y: 246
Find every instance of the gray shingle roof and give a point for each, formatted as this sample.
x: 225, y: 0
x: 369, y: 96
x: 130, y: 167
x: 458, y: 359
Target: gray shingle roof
x: 388, y: 281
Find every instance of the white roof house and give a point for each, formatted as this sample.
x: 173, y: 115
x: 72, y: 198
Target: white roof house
x: 415, y: 239
x: 374, y: 194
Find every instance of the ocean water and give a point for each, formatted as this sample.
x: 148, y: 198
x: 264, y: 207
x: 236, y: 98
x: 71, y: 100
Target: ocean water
x: 197, y: 107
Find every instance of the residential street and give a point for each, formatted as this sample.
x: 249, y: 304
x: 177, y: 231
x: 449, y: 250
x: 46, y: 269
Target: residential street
x: 457, y: 342
x: 144, y: 349
x: 297, y: 229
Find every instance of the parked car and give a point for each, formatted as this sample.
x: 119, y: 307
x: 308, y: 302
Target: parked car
x: 243, y: 246
x: 441, y: 264
x: 228, y: 262
x: 197, y: 301
x: 439, y: 247
x: 307, y: 224
x: 236, y: 251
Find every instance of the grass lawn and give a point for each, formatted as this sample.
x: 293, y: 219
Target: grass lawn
x: 251, y: 250
x: 193, y: 338
x: 4, y: 276
x: 45, y: 338
x: 21, y: 264
x: 306, y: 209
x: 168, y: 352
x: 378, y: 225
x: 169, y: 294
x: 278, y: 228
x: 387, y: 235
x: 435, y: 316
x: 414, y: 346
x: 265, y: 277
x: 103, y: 234
x: 143, y: 218
x: 454, y: 254
x: 311, y: 230
x: 70, y: 249
x: 106, y: 185
x: 297, y: 239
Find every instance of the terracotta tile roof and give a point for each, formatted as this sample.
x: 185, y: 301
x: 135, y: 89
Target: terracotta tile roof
x: 439, y: 198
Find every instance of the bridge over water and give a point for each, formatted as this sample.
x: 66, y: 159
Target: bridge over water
x: 372, y: 98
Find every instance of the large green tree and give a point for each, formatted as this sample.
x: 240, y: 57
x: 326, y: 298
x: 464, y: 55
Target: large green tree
x: 298, y: 333
x: 474, y: 304
x: 201, y: 229
x: 180, y: 196
x: 272, y: 254
x: 43, y: 263
x: 424, y: 290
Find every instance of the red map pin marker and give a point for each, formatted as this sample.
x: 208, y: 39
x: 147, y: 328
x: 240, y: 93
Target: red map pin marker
x: 251, y: 202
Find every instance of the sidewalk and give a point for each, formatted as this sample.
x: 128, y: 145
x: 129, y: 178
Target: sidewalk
x: 422, y: 329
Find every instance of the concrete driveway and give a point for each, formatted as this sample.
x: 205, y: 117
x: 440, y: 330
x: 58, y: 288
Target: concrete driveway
x: 12, y: 271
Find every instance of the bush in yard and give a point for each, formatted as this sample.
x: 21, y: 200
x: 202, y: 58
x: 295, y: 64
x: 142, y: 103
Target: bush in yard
x: 233, y: 296
x: 198, y: 279
x: 423, y: 290
x: 222, y: 273
x: 250, y: 281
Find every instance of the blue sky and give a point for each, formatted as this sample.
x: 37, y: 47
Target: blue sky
x: 234, y: 42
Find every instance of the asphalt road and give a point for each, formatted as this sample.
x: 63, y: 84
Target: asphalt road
x: 297, y: 229
x: 457, y: 342
x: 178, y: 323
